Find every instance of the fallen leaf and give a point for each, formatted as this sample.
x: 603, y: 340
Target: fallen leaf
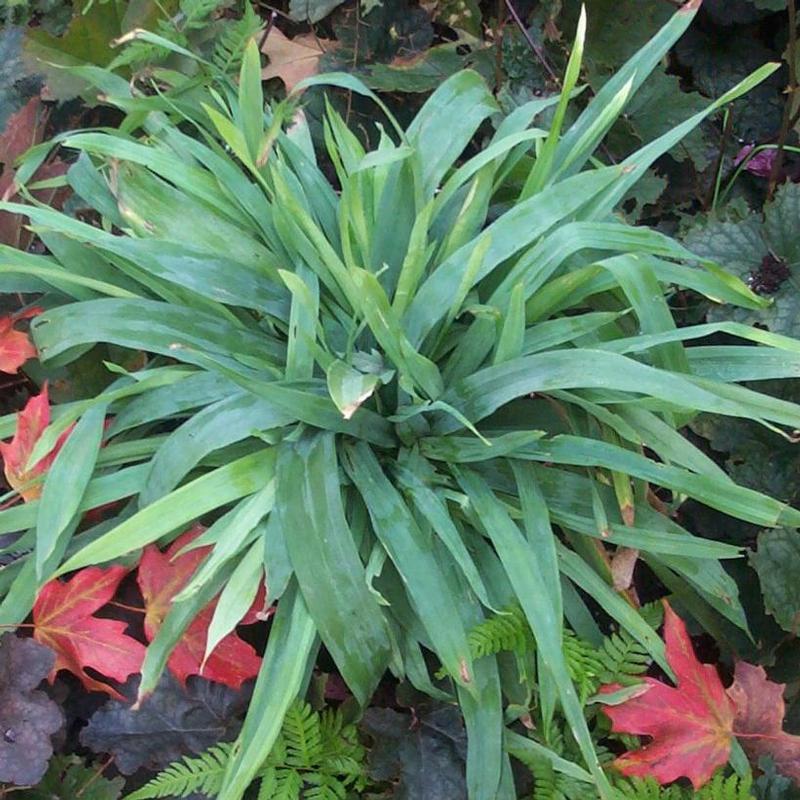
x: 691, y: 726
x: 758, y: 722
x: 293, y: 60
x: 63, y: 620
x: 623, y: 564
x: 161, y: 576
x: 28, y: 717
x: 171, y: 722
x: 23, y: 130
x: 15, y: 346
x: 31, y: 424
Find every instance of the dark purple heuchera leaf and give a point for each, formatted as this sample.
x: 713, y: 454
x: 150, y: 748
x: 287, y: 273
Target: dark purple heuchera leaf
x: 172, y: 722
x: 421, y: 755
x: 28, y: 717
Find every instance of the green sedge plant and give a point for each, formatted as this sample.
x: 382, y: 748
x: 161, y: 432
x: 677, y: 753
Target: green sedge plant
x: 412, y: 389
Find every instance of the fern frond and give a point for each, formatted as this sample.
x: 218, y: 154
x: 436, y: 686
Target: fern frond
x: 584, y: 664
x: 544, y: 780
x: 303, y: 735
x: 647, y: 789
x: 192, y: 774
x: 623, y: 659
x: 652, y: 614
x: 348, y: 767
x: 331, y: 723
x: 730, y: 788
x: 198, y: 12
x: 268, y: 784
x: 288, y: 785
x: 231, y: 43
x: 138, y: 53
x: 718, y: 788
x: 619, y: 659
x: 552, y: 785
x: 506, y: 632
x: 328, y: 788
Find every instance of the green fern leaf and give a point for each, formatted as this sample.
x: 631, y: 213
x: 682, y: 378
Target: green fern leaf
x: 233, y: 39
x: 544, y: 781
x: 584, y: 663
x: 268, y: 784
x: 303, y: 735
x: 138, y: 54
x: 730, y: 788
x: 506, y: 632
x: 623, y: 659
x: 288, y: 785
x: 653, y: 614
x: 329, y: 788
x: 649, y: 789
x: 198, y: 12
x: 201, y: 774
x: 718, y: 788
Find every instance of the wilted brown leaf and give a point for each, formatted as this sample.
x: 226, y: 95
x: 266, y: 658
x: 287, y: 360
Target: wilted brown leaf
x: 293, y: 60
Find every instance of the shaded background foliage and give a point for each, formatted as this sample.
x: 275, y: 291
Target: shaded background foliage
x: 741, y: 214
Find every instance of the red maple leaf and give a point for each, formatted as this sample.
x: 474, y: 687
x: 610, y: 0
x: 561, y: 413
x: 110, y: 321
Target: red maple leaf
x: 691, y: 726
x: 161, y: 576
x: 15, y: 346
x: 62, y: 619
x: 759, y: 720
x: 31, y: 424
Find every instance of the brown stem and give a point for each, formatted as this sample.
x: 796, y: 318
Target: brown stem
x: 498, y: 44
x: 270, y: 22
x: 538, y: 52
x: 96, y: 775
x: 786, y: 122
x: 126, y: 607
x: 723, y: 141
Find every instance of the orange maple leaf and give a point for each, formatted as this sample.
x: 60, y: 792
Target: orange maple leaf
x: 62, y: 619
x: 15, y: 346
x: 31, y: 424
x: 691, y: 726
x: 161, y: 576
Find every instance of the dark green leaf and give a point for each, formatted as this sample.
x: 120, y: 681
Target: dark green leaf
x: 777, y: 562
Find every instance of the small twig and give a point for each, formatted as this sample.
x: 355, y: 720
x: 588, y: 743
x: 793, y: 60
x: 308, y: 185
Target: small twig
x: 274, y: 10
x: 498, y: 44
x: 786, y: 122
x: 96, y: 775
x: 538, y: 52
x: 354, y: 64
x: 713, y: 191
x: 270, y: 22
